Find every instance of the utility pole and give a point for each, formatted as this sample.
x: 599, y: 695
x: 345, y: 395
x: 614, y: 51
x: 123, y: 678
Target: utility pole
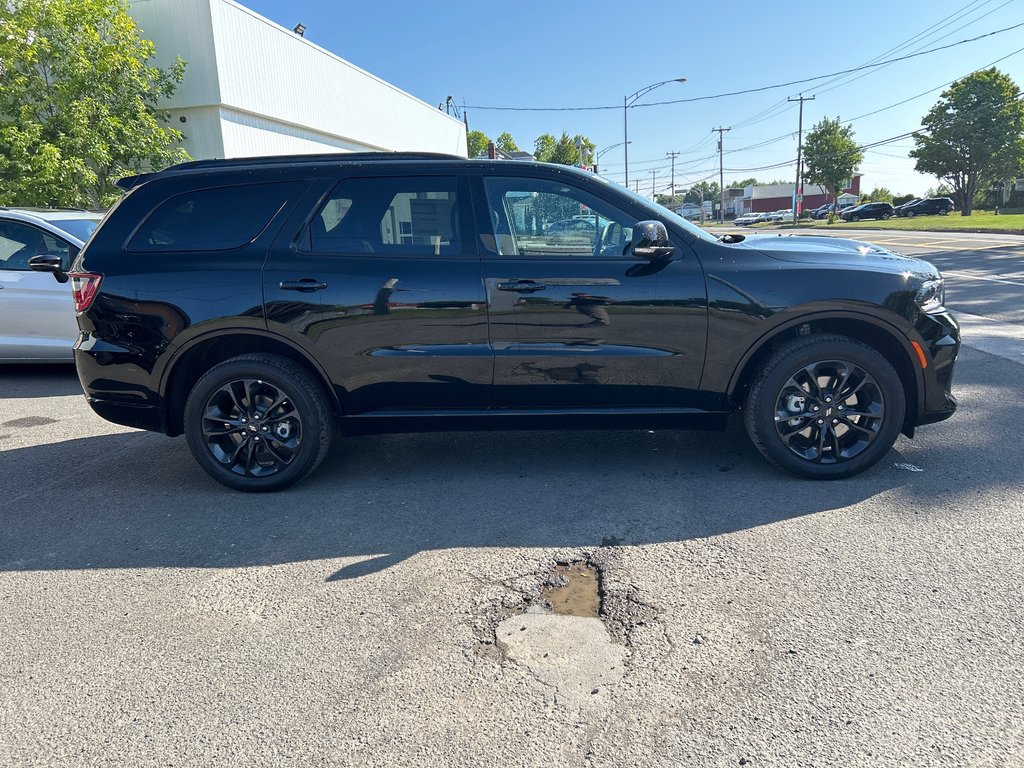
x: 721, y: 175
x: 654, y: 184
x: 673, y: 155
x: 798, y: 189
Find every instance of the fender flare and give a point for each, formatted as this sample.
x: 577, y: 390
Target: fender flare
x: 171, y: 362
x: 890, y: 329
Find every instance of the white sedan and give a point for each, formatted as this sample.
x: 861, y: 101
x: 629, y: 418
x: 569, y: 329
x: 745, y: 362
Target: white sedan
x: 37, y: 315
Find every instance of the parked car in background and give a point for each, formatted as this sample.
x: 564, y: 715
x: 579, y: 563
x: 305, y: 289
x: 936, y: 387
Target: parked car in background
x: 867, y: 211
x: 821, y: 211
x: 37, y: 315
x: 746, y: 219
x: 929, y: 207
x: 899, y: 209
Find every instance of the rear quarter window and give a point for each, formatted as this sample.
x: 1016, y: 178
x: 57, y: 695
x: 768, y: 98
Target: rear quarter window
x: 212, y: 219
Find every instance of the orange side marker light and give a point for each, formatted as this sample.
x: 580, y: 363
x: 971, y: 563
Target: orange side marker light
x: 920, y: 354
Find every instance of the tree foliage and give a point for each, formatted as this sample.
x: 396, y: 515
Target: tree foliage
x: 476, y: 143
x: 565, y: 150
x: 880, y: 195
x: 506, y: 143
x: 702, y: 191
x: 743, y: 183
x: 973, y: 135
x: 831, y: 155
x: 78, y: 102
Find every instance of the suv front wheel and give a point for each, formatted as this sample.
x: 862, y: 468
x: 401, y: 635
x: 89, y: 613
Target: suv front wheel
x: 825, y: 407
x: 258, y: 422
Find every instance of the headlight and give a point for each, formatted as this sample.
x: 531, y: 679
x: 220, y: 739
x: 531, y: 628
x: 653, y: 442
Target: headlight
x: 931, y: 296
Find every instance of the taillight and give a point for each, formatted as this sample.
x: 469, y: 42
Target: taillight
x: 84, y: 287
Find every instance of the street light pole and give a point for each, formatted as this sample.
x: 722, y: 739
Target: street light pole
x: 597, y: 160
x: 627, y: 102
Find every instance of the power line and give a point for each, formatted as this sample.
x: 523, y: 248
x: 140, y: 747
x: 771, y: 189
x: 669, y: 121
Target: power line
x: 753, y: 90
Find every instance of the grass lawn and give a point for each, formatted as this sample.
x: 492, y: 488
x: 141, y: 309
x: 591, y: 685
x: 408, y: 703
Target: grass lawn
x: 979, y: 221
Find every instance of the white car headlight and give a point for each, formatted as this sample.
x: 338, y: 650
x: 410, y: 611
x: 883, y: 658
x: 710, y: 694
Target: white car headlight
x: 931, y: 296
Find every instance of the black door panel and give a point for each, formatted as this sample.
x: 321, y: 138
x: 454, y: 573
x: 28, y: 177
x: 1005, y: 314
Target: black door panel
x: 397, y: 318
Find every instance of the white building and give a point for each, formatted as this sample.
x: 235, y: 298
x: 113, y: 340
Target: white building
x: 254, y: 88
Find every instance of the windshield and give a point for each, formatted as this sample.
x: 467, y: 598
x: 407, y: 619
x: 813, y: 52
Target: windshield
x: 661, y: 212
x: 80, y: 228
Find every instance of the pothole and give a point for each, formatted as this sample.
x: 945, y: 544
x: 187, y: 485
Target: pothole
x: 566, y: 628
x: 574, y: 589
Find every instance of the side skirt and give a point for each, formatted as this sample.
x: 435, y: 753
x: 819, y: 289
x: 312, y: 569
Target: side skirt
x: 385, y: 421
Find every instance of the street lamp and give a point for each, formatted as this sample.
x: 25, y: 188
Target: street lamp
x: 597, y: 159
x: 629, y: 101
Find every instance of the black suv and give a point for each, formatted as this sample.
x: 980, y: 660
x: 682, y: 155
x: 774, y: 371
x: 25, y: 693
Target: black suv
x: 868, y: 211
x: 259, y: 305
x: 929, y: 207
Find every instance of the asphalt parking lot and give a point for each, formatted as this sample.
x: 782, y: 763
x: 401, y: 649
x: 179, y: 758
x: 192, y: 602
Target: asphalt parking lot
x: 386, y: 611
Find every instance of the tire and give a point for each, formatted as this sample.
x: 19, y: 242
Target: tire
x: 832, y: 374
x: 885, y: 216
x: 910, y: 214
x: 258, y: 423
x: 944, y: 212
x: 855, y: 218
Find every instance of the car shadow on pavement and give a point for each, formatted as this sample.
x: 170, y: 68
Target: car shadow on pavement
x: 137, y: 500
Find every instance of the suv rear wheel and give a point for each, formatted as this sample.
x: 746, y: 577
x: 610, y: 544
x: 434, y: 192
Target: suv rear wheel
x: 825, y: 407
x: 258, y: 422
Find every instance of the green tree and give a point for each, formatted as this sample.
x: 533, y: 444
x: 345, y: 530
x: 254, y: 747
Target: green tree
x: 565, y: 150
x: 78, y: 102
x: 702, y: 191
x: 973, y: 135
x: 506, y: 143
x: 901, y: 199
x: 743, y: 183
x: 880, y: 195
x: 669, y: 201
x: 830, y: 155
x: 476, y: 143
x: 942, y: 190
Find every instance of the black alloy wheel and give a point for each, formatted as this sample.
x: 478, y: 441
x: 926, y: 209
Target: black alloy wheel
x: 825, y: 407
x: 257, y: 423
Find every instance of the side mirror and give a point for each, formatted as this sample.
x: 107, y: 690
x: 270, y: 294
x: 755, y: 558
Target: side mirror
x: 650, y: 241
x: 49, y: 262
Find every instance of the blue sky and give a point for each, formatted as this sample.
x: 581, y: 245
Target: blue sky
x: 541, y: 55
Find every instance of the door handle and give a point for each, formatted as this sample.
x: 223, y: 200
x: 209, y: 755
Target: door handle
x: 305, y: 285
x: 522, y: 286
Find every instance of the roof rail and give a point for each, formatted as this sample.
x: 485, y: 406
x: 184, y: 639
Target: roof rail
x: 130, y: 182
x: 312, y: 159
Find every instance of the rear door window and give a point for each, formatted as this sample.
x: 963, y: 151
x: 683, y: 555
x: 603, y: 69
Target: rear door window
x: 216, y: 219
x: 394, y: 215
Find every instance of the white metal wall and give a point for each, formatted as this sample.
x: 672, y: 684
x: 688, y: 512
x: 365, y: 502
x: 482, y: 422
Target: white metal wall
x: 277, y: 93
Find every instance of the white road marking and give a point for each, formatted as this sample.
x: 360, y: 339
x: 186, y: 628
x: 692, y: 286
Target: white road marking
x: 1005, y: 340
x: 970, y: 276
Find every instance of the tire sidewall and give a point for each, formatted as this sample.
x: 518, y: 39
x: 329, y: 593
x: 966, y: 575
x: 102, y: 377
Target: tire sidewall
x: 314, y: 430
x: 778, y: 372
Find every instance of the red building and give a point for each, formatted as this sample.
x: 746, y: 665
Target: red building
x: 764, y: 198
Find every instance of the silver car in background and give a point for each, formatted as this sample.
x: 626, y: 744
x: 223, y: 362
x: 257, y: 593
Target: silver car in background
x: 37, y: 315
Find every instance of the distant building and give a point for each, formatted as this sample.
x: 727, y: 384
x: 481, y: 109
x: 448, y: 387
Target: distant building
x: 254, y: 88
x: 764, y: 198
